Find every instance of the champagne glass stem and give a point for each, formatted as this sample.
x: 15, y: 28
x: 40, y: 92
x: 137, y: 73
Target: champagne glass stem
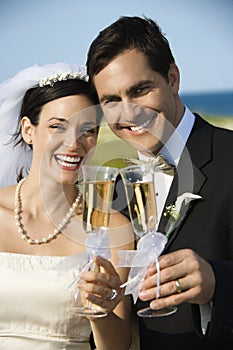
x: 158, y: 278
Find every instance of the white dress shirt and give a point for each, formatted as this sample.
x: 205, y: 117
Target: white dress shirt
x: 172, y: 151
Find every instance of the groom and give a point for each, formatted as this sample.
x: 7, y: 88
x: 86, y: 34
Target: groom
x: 132, y: 69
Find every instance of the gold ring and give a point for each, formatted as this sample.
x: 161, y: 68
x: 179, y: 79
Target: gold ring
x: 178, y: 286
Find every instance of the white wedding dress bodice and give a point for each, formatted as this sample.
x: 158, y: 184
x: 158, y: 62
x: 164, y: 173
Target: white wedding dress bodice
x: 36, y: 303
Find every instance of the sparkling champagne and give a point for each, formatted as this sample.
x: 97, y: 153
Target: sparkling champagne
x: 97, y: 204
x: 142, y: 205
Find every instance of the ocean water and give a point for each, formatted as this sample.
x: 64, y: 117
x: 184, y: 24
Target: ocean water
x: 219, y: 104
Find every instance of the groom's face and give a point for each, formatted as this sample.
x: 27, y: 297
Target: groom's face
x: 138, y: 102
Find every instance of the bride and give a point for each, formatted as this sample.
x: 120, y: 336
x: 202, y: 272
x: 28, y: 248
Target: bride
x: 42, y: 247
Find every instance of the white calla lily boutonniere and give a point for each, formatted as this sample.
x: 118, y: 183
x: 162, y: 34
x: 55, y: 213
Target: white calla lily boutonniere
x: 176, y: 212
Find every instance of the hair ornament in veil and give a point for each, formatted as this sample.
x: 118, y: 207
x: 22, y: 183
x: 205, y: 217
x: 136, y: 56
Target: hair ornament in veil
x: 51, y: 80
x: 12, y: 92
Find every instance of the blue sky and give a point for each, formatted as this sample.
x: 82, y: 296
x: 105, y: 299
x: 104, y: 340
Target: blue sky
x: 46, y: 31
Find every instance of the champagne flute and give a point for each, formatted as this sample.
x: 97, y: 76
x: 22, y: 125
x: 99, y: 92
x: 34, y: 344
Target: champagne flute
x: 97, y: 188
x: 141, y: 198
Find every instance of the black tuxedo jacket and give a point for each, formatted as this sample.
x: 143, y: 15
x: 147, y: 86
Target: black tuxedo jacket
x: 205, y: 168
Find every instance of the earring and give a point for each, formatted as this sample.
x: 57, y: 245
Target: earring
x: 29, y: 141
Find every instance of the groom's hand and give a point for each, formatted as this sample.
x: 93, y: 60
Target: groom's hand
x: 184, y: 277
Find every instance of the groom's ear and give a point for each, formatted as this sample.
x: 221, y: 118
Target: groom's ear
x: 174, y: 78
x: 27, y: 128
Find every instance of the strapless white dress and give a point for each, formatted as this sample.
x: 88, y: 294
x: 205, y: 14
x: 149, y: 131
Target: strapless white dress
x: 36, y: 303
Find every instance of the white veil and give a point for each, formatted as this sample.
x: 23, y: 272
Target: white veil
x: 11, y: 95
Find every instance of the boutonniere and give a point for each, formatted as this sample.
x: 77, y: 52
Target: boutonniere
x: 176, y: 212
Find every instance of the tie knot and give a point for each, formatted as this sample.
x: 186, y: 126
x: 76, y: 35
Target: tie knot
x: 160, y: 163
x: 164, y: 165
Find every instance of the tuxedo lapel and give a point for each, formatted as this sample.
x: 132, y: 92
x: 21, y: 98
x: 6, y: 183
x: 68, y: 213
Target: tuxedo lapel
x: 190, y: 175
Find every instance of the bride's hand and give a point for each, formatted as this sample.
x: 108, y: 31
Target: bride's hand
x: 102, y: 288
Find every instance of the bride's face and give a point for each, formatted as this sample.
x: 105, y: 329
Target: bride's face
x: 66, y: 132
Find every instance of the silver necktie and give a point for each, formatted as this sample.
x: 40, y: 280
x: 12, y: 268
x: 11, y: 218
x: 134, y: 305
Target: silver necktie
x: 160, y: 163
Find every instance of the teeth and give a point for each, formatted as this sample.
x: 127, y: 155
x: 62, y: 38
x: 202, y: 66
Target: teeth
x: 66, y: 164
x: 68, y: 159
x: 142, y: 126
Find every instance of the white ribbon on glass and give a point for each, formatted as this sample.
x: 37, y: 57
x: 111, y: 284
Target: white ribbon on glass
x: 149, y: 248
x: 97, y: 244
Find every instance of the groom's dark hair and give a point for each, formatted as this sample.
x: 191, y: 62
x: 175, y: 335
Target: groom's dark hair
x: 129, y: 33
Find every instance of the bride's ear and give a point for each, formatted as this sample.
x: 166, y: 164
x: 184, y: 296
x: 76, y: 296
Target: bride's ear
x: 27, y: 126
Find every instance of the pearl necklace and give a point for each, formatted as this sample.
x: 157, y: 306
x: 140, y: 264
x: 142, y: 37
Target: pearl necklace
x: 58, y: 229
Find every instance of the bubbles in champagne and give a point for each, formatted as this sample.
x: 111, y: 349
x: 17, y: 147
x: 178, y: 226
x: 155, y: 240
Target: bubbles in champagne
x: 142, y: 205
x: 97, y: 204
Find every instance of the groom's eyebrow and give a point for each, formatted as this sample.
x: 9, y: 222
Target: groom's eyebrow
x: 138, y: 85
x: 108, y: 97
x: 58, y: 119
x: 129, y: 91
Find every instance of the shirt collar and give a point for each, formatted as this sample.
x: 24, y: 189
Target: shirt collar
x: 174, y: 147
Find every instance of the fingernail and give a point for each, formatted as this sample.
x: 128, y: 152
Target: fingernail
x: 98, y: 259
x: 143, y: 294
x: 154, y: 306
x: 83, y: 275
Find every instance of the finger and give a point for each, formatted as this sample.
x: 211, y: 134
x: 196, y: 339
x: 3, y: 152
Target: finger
x: 168, y: 274
x: 171, y: 260
x: 110, y: 277
x: 101, y: 279
x: 104, y: 303
x: 111, y: 281
x: 151, y: 270
x: 92, y: 288
x: 188, y: 295
x: 173, y: 287
x: 171, y: 300
x: 176, y: 257
x: 174, y: 266
x: 106, y: 264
